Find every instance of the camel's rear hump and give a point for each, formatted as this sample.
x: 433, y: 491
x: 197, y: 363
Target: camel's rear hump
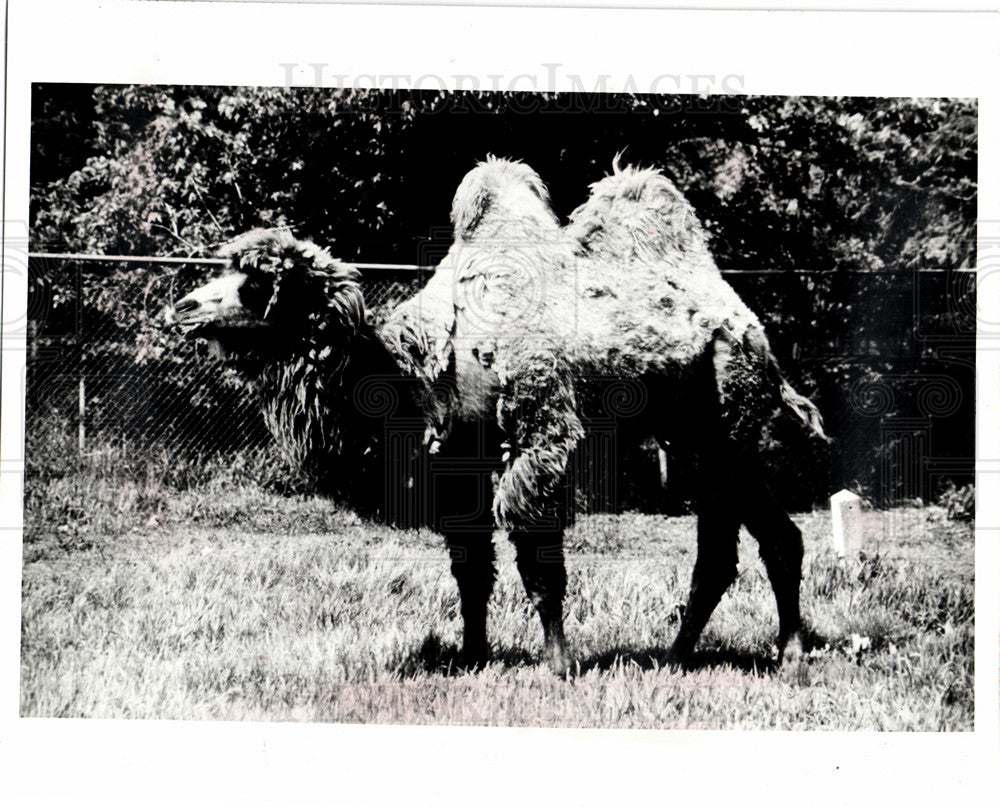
x: 638, y: 215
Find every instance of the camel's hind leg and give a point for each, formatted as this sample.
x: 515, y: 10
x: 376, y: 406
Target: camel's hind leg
x: 714, y: 570
x: 542, y: 565
x: 781, y: 550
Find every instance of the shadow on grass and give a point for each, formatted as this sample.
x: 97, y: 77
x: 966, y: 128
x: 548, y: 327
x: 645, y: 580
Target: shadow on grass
x: 439, y: 658
x: 435, y: 657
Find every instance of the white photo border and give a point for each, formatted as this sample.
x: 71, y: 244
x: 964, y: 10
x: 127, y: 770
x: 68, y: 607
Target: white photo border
x: 782, y: 53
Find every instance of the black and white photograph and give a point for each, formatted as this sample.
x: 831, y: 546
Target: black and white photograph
x: 341, y: 345
x: 498, y: 401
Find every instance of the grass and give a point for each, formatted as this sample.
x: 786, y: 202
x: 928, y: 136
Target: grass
x: 226, y: 601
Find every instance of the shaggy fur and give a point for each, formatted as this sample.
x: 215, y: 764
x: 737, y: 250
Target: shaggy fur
x: 297, y: 325
x: 528, y: 338
x: 629, y: 291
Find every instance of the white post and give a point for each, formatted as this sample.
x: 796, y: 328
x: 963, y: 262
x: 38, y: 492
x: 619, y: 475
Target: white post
x: 81, y: 435
x: 848, y: 531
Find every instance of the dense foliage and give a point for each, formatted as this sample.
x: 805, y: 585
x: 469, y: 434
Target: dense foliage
x: 863, y: 209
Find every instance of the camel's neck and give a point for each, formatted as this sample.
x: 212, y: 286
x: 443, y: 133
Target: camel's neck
x: 331, y: 411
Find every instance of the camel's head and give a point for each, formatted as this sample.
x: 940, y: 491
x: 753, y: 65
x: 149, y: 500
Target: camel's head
x: 273, y: 300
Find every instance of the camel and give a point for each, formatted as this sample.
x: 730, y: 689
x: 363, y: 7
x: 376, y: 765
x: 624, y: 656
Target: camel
x: 471, y: 406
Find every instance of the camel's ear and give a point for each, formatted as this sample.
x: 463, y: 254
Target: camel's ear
x: 256, y: 292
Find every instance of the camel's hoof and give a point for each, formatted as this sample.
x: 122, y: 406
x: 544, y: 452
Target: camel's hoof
x: 792, y: 661
x: 678, y: 657
x: 474, y: 659
x: 557, y: 660
x: 791, y: 653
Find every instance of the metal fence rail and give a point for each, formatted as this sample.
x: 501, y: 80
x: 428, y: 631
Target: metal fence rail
x: 97, y: 381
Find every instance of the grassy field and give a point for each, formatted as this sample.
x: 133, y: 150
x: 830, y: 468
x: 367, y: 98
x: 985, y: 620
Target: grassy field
x: 226, y: 602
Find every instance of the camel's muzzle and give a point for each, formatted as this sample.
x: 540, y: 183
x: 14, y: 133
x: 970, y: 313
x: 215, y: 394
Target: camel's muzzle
x: 178, y: 316
x: 214, y: 303
x: 185, y: 305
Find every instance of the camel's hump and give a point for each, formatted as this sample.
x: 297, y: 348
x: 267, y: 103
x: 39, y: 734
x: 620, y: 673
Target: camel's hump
x: 501, y: 199
x: 637, y: 214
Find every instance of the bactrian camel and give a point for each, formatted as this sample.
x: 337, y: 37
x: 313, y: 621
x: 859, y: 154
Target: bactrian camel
x: 471, y: 405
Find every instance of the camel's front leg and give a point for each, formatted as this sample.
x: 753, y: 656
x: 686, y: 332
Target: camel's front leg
x: 472, y: 565
x: 537, y: 409
x: 464, y: 515
x: 714, y: 571
x: 543, y: 569
x: 781, y: 550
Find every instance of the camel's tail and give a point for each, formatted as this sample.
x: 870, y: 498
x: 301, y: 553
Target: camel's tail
x: 804, y: 409
x: 799, y: 405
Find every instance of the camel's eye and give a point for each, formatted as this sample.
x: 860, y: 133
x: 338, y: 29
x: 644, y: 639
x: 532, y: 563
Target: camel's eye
x: 255, y: 292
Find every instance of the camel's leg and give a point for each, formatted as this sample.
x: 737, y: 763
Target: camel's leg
x: 542, y: 565
x: 780, y: 544
x: 472, y: 564
x: 714, y: 570
x: 463, y: 514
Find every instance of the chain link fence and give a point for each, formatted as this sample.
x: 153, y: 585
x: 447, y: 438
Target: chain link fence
x: 104, y: 379
x: 104, y: 376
